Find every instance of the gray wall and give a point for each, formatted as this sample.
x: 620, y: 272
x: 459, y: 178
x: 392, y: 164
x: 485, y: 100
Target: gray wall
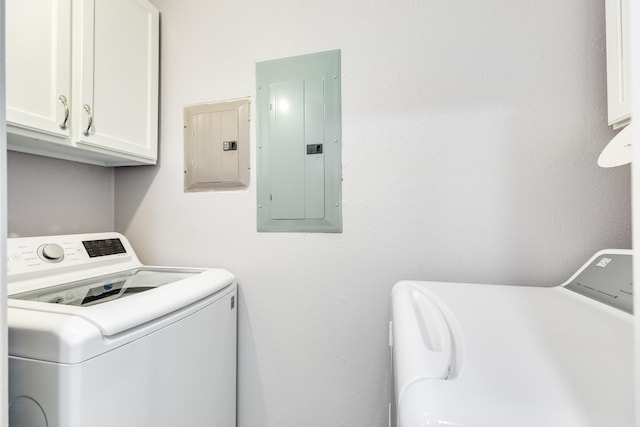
x: 51, y: 196
x: 471, y: 133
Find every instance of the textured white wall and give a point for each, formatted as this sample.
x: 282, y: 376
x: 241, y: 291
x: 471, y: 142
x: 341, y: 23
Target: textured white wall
x: 470, y: 137
x: 634, y: 55
x: 51, y: 196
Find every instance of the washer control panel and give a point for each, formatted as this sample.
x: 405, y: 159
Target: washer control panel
x: 48, y: 255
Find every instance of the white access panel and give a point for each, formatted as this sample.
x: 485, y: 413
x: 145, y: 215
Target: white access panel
x: 216, y: 146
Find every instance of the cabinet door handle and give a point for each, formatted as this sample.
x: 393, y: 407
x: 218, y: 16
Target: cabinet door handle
x: 88, y: 110
x: 65, y: 104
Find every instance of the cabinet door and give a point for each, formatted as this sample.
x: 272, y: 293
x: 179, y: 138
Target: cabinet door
x: 38, y: 65
x: 116, y: 77
x: 618, y: 65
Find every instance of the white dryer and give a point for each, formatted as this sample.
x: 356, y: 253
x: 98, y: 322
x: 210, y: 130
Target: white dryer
x: 486, y: 355
x: 97, y: 339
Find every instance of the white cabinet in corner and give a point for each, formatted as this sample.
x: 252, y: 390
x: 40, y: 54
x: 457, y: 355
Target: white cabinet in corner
x: 618, y: 63
x: 94, y: 62
x: 38, y: 64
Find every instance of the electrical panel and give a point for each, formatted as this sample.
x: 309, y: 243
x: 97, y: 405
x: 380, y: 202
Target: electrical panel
x: 299, y: 143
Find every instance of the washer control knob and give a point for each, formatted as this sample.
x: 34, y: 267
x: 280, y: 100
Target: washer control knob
x: 51, y: 252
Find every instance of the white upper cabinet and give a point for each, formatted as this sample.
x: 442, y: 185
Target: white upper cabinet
x: 618, y: 65
x: 95, y: 61
x: 38, y: 65
x: 116, y: 77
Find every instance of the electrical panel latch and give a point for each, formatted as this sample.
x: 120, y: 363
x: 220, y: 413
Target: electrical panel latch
x: 314, y: 149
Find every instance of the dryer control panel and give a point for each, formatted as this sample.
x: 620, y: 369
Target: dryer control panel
x: 607, y: 278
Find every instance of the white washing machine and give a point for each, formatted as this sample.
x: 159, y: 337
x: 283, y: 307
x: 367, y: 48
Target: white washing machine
x: 486, y: 355
x: 97, y: 339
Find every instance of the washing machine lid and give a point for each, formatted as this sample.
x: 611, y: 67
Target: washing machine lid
x: 96, y: 320
x: 107, y: 288
x: 122, y: 301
